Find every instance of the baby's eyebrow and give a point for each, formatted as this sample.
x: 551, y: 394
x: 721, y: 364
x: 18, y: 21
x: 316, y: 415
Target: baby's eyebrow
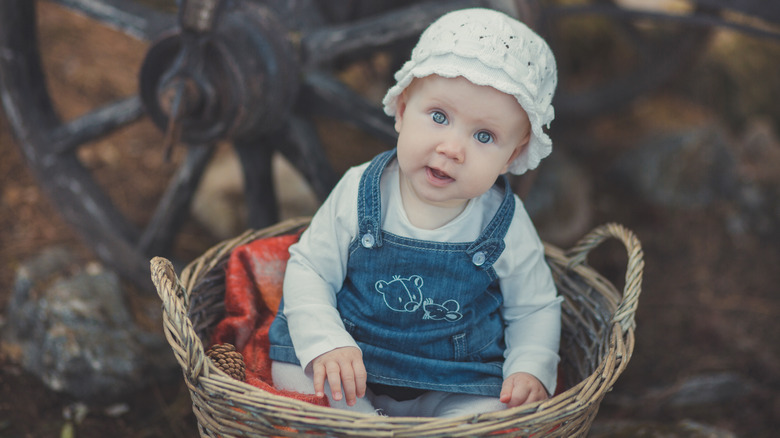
x: 437, y: 101
x: 489, y: 124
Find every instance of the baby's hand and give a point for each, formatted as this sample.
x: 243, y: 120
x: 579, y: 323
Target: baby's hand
x: 342, y: 367
x: 522, y: 388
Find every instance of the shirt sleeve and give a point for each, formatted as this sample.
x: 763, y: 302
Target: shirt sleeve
x: 532, y: 307
x: 315, y: 273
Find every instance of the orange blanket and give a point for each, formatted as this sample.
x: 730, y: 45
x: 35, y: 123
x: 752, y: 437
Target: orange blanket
x: 253, y: 290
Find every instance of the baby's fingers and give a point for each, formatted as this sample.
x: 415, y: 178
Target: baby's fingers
x: 333, y: 371
x: 513, y: 395
x: 349, y: 384
x: 360, y: 377
x: 319, y: 379
x: 353, y: 379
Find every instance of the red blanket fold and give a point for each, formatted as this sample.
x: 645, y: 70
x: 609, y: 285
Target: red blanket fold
x: 253, y: 290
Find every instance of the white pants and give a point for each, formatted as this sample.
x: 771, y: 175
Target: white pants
x: 287, y: 376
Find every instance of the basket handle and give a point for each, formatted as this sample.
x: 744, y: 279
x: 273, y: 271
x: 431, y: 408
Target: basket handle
x: 186, y: 344
x: 628, y: 304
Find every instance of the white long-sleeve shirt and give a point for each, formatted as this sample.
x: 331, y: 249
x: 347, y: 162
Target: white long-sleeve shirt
x: 318, y: 265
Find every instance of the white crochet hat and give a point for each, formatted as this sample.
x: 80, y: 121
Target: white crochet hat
x: 490, y: 48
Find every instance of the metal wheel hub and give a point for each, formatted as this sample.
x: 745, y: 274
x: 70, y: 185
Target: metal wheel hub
x: 234, y: 80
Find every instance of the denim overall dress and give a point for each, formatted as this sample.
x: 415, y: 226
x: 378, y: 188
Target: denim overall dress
x: 425, y: 314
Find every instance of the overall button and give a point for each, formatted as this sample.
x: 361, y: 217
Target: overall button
x: 367, y: 240
x: 478, y: 258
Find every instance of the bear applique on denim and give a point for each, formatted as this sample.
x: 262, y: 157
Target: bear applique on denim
x: 405, y: 295
x: 401, y: 294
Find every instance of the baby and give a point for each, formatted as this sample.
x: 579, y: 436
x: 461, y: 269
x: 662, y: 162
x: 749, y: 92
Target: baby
x: 420, y: 287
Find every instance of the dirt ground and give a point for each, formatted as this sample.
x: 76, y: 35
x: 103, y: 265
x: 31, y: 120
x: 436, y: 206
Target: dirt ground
x: 709, y: 302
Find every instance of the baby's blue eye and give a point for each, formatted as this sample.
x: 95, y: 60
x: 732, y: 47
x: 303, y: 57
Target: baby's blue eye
x: 439, y: 117
x: 484, y: 137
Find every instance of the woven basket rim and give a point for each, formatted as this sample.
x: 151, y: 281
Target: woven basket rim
x: 214, y: 381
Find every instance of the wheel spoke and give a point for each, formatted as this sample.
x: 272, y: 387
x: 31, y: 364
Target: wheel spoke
x: 327, y: 43
x: 158, y: 237
x: 325, y: 95
x: 255, y: 157
x: 130, y: 17
x: 306, y: 153
x: 91, y: 126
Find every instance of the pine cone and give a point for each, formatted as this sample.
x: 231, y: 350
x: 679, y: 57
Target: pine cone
x: 226, y: 358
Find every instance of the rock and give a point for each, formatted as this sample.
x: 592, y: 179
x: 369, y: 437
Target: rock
x: 707, y: 390
x: 559, y: 199
x: 72, y: 328
x: 701, y: 167
x: 692, y: 395
x: 759, y: 158
x: 692, y: 168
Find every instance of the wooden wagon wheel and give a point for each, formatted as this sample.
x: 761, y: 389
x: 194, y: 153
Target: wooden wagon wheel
x: 252, y: 73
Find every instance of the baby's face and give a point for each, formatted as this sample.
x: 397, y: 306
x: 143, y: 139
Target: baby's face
x: 455, y: 138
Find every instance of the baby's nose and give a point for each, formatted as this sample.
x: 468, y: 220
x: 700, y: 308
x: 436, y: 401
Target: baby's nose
x: 452, y: 148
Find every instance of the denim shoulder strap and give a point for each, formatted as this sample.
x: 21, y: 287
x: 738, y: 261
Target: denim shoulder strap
x: 370, y: 200
x: 490, y: 244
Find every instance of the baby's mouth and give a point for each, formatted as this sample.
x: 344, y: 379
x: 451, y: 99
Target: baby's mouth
x: 439, y: 175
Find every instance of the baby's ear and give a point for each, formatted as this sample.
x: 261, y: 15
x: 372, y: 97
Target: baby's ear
x: 521, y: 147
x: 516, y: 153
x: 400, y: 107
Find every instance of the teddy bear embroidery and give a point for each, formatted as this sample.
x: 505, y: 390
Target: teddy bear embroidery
x: 405, y: 295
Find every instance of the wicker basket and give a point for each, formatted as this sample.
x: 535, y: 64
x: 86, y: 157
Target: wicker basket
x: 596, y: 345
